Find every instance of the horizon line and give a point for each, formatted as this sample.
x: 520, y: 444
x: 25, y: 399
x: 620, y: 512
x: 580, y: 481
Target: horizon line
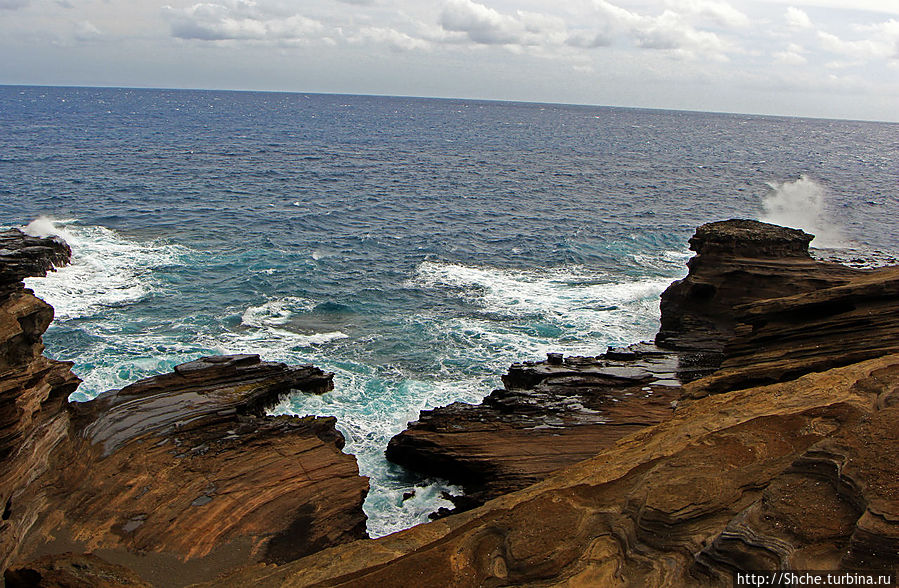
x: 459, y: 98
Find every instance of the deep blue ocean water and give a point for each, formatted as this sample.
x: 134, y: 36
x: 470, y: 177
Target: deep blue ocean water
x: 415, y: 247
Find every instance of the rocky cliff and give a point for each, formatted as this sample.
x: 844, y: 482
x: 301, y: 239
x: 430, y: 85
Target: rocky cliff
x: 791, y: 466
x: 175, y: 477
x: 548, y: 415
x: 33, y: 388
x: 558, y: 412
x: 764, y: 440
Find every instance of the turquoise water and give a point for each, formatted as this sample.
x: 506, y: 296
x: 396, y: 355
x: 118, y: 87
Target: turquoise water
x: 414, y: 247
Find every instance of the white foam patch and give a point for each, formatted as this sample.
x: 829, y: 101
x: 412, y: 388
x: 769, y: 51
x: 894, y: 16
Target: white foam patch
x: 567, y: 310
x: 520, y: 292
x: 271, y: 343
x: 669, y: 261
x: 274, y: 312
x: 106, y: 269
x: 801, y: 204
x: 370, y: 409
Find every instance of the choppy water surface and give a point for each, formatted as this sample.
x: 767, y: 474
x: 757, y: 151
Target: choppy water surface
x: 414, y: 247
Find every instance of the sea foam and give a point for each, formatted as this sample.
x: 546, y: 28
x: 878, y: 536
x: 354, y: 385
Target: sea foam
x: 106, y: 269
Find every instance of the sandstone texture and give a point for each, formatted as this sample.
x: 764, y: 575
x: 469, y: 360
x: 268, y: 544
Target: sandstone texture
x: 794, y: 475
x: 738, y: 262
x: 169, y: 480
x: 759, y: 432
x: 33, y: 388
x: 548, y: 415
x: 786, y: 457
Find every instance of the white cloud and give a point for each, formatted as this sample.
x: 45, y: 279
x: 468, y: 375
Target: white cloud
x: 487, y: 26
x: 584, y: 41
x: 86, y: 31
x: 872, y: 48
x: 716, y: 11
x: 885, y: 33
x: 238, y: 20
x: 670, y: 31
x: 12, y: 4
x: 396, y: 40
x: 797, y: 19
x: 792, y: 55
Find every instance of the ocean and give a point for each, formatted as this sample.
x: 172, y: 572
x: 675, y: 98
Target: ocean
x: 414, y: 247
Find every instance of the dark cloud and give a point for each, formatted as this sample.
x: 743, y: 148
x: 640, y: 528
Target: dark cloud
x: 582, y: 41
x: 13, y: 4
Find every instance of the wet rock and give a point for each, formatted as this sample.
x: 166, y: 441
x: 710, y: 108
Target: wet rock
x: 792, y: 476
x: 548, y: 415
x: 177, y: 477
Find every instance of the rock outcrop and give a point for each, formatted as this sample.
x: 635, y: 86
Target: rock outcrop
x: 738, y: 262
x: 185, y: 469
x: 795, y: 475
x: 175, y: 477
x: 782, y: 338
x: 785, y: 457
x: 750, y: 300
x: 549, y: 415
x: 793, y: 465
x: 33, y: 388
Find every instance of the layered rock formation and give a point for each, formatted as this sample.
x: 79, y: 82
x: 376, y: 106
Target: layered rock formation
x: 549, y: 415
x: 175, y: 477
x: 786, y: 457
x: 185, y: 467
x: 552, y: 415
x: 799, y: 473
x: 33, y: 388
x: 738, y: 262
x: 795, y: 475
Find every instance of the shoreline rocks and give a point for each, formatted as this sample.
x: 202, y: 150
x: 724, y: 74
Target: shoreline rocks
x: 784, y: 458
x: 177, y: 477
x: 778, y: 451
x: 549, y: 415
x: 563, y: 410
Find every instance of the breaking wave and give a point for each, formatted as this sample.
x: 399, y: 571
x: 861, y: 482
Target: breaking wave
x: 107, y: 269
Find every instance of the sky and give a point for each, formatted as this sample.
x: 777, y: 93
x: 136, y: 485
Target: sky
x: 820, y: 58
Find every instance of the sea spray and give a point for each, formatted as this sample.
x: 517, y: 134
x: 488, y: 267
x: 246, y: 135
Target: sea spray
x: 107, y: 268
x: 802, y: 204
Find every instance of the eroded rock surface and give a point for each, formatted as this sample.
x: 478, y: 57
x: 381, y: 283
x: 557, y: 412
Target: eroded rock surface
x: 783, y: 458
x: 738, y: 262
x: 175, y: 477
x: 552, y: 415
x: 794, y: 475
x: 549, y: 415
x: 782, y: 338
x: 33, y: 388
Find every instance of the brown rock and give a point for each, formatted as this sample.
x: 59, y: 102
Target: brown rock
x: 33, y: 388
x: 782, y: 338
x: 737, y: 262
x: 185, y: 468
x: 177, y: 477
x: 71, y: 570
x: 548, y: 416
x: 795, y: 475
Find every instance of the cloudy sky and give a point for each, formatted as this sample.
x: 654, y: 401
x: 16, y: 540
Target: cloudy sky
x: 828, y: 58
